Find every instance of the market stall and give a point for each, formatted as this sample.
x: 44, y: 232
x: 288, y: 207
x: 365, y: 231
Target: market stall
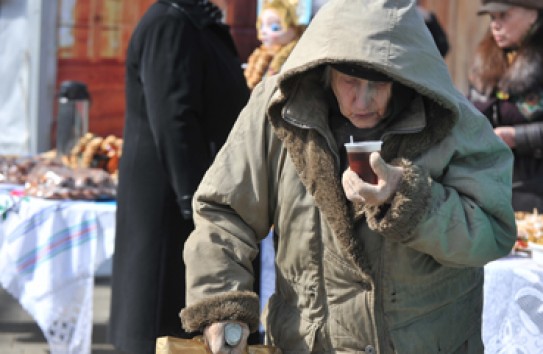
x: 513, y: 306
x: 49, y: 252
x: 57, y: 226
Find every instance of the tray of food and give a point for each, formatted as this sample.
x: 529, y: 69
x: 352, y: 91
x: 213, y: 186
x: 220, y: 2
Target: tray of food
x: 89, y: 172
x: 530, y: 233
x: 62, y: 182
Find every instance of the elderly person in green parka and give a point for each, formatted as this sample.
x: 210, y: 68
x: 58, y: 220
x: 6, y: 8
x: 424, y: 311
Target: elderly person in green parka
x: 395, y: 267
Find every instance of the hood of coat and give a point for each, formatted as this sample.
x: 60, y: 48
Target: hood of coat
x: 385, y: 35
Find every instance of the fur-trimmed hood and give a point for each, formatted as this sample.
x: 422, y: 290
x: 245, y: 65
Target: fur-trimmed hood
x: 387, y: 36
x: 384, y: 35
x: 368, y: 40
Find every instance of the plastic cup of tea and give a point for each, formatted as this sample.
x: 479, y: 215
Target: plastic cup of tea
x: 358, y: 154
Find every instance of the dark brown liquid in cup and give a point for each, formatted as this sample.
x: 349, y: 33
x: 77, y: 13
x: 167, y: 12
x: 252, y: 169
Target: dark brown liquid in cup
x: 359, y: 162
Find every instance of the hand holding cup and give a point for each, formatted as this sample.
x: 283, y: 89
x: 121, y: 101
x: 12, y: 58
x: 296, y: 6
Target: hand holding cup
x: 388, y: 179
x: 358, y: 154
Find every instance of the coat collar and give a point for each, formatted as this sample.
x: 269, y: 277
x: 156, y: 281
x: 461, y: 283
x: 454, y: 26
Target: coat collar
x: 190, y: 9
x: 525, y: 73
x: 306, y: 107
x: 301, y: 123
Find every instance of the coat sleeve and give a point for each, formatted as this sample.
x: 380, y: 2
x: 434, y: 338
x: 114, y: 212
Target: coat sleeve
x: 461, y: 214
x: 529, y: 139
x: 231, y: 215
x: 172, y: 70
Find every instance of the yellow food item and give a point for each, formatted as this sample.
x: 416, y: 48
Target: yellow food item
x: 93, y: 151
x: 530, y: 226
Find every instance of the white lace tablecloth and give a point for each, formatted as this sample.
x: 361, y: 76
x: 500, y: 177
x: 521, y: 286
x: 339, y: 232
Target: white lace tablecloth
x: 513, y: 307
x: 49, y: 252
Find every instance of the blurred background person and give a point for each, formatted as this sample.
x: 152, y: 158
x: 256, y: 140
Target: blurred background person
x: 506, y: 81
x: 184, y: 90
x: 435, y: 28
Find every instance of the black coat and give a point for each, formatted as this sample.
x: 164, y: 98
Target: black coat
x: 438, y: 34
x: 528, y: 165
x: 184, y: 90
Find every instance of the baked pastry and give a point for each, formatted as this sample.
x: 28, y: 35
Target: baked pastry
x: 63, y: 182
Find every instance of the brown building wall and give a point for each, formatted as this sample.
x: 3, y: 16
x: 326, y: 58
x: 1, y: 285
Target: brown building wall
x: 95, y: 37
x: 464, y: 29
x: 241, y: 16
x: 101, y: 30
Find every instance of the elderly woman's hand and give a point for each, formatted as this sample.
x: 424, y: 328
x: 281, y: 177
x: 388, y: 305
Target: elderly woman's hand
x: 227, y: 337
x: 388, y: 176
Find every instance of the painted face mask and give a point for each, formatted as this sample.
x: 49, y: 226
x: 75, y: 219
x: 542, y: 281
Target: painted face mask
x: 272, y: 30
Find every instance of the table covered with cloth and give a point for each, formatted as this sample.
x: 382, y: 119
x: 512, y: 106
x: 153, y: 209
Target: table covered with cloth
x: 49, y: 252
x: 513, y: 306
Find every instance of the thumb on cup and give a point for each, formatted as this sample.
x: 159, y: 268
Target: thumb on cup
x: 378, y: 165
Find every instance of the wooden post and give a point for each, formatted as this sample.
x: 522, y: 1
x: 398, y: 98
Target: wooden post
x: 241, y: 17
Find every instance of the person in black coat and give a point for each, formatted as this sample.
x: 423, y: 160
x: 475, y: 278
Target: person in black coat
x: 438, y: 33
x: 184, y: 90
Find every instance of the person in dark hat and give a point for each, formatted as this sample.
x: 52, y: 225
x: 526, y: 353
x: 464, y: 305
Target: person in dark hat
x: 506, y: 81
x: 497, y: 6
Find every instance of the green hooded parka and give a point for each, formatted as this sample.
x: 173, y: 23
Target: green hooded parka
x: 351, y: 278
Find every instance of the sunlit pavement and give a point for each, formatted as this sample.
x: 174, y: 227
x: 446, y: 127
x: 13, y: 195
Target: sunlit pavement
x: 19, y: 334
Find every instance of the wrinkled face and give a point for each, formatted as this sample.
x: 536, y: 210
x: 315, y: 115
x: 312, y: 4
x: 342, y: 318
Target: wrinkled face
x: 271, y: 31
x: 363, y: 102
x: 510, y: 27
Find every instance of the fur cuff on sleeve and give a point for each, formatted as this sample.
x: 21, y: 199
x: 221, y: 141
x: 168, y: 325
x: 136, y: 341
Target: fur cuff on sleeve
x: 410, y: 204
x: 240, y: 306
